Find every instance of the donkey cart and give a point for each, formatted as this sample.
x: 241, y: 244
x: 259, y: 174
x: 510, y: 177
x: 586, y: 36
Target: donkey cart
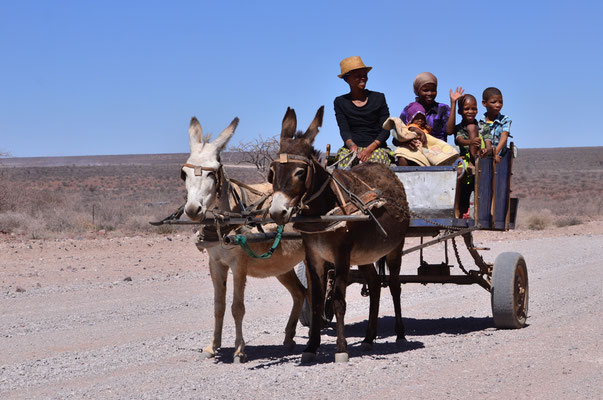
x: 433, y: 198
x: 341, y: 219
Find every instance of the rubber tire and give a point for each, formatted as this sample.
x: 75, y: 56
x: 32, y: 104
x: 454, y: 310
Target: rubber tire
x: 305, y: 316
x: 509, y: 305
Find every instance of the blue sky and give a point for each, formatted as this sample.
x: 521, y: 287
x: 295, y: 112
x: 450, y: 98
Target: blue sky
x: 124, y: 77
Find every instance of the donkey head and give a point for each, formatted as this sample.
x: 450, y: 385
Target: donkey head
x: 292, y: 172
x: 202, y: 172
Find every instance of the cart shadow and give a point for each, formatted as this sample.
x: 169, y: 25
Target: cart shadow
x: 419, y: 327
x: 277, y: 355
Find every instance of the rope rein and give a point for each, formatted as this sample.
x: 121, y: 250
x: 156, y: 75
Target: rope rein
x: 241, y: 240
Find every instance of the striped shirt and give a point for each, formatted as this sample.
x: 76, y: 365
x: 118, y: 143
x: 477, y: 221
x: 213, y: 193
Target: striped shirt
x: 502, y: 123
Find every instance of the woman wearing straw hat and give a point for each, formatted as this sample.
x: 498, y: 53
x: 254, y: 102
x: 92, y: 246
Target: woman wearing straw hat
x: 360, y: 115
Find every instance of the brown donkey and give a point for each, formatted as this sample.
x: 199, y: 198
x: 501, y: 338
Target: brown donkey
x: 301, y: 184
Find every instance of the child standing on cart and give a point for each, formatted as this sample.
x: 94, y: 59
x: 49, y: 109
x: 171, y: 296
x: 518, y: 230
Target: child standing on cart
x: 498, y: 124
x: 473, y: 142
x: 500, y: 128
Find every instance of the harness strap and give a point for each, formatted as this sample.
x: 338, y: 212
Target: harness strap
x: 251, y: 189
x: 284, y: 158
x: 357, y: 201
x: 340, y: 198
x: 364, y: 183
x: 199, y: 168
x: 316, y: 194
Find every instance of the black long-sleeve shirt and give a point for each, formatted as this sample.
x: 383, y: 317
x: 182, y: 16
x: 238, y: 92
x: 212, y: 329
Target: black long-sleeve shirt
x: 362, y: 124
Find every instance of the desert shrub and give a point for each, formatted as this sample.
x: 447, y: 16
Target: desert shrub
x: 139, y: 223
x: 165, y: 229
x: 567, y: 221
x: 110, y: 214
x: 66, y: 220
x: 37, y: 201
x: 538, y: 222
x: 3, y: 196
x: 24, y: 224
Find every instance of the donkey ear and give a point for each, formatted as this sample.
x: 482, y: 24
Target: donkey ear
x: 220, y: 142
x: 289, y: 124
x: 316, y: 123
x: 195, y: 133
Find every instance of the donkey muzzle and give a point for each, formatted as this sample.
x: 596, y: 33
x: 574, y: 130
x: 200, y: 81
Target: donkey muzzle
x: 280, y: 209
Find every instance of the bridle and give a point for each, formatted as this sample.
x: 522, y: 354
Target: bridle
x: 222, y: 179
x: 218, y: 172
x: 310, y: 164
x: 338, y: 187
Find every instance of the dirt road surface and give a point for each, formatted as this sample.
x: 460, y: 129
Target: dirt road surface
x: 127, y: 318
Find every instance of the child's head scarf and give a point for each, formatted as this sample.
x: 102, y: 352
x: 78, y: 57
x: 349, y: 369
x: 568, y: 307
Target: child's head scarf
x: 412, y: 111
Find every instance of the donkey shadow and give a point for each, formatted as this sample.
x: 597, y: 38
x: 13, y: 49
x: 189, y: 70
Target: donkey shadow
x: 274, y: 355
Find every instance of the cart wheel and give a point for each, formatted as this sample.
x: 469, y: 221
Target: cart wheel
x: 510, y: 291
x: 306, y: 316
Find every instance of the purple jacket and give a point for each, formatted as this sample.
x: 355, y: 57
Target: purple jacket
x: 436, y: 117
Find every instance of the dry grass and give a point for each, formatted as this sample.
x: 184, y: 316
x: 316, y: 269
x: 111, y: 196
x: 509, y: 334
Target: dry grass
x: 560, y: 187
x: 567, y: 221
x: 46, y: 202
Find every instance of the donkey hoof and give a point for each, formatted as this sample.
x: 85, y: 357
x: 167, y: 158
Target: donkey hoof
x: 206, y: 354
x: 341, y: 357
x: 401, y: 340
x: 289, y: 346
x: 239, y: 359
x: 366, y: 346
x: 308, y: 357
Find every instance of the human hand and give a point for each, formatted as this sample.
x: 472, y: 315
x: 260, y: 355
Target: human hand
x: 483, y: 153
x: 457, y: 94
x: 423, y: 139
x: 365, y: 154
x: 415, y: 144
x: 496, y: 158
x: 476, y: 141
x: 354, y: 148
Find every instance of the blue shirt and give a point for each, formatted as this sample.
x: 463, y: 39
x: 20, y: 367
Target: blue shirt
x: 436, y: 118
x: 502, y: 123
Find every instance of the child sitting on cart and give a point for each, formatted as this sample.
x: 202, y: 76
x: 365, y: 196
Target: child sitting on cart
x: 420, y: 147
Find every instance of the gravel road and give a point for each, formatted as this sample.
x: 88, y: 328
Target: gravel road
x: 127, y: 318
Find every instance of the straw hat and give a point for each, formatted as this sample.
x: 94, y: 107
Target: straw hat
x: 350, y: 64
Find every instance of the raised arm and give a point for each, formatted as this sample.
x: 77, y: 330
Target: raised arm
x: 454, y: 97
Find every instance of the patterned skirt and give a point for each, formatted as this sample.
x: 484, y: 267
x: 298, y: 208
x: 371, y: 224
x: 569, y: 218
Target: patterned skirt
x: 380, y: 155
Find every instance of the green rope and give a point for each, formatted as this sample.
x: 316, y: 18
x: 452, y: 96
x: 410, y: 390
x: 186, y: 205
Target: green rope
x: 242, y: 241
